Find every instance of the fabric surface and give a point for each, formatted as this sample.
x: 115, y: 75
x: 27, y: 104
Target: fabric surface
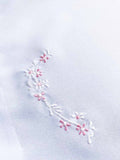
x: 84, y: 76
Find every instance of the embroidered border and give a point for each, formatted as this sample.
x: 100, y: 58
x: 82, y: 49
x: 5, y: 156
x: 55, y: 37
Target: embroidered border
x: 37, y: 86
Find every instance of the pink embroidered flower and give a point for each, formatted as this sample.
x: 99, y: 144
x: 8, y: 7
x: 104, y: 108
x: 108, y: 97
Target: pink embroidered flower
x: 38, y: 73
x: 40, y: 96
x: 44, y: 58
x: 64, y: 124
x: 82, y: 129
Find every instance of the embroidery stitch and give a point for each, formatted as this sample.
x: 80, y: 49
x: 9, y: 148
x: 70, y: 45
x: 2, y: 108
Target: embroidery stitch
x: 37, y: 86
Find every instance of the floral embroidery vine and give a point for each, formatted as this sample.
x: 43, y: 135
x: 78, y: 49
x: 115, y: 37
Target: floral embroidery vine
x: 37, y: 87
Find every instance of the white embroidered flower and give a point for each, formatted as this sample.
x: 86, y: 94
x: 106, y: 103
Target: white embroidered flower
x: 77, y: 115
x: 33, y: 72
x: 39, y: 84
x: 29, y: 72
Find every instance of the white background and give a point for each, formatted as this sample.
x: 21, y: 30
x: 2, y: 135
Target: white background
x: 84, y: 75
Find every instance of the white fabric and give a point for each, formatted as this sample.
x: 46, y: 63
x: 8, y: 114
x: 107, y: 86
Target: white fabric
x: 84, y: 76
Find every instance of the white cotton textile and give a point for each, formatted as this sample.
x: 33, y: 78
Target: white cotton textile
x: 83, y: 73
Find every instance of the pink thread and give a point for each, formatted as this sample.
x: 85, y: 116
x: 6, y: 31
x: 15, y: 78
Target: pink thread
x: 77, y: 117
x: 82, y: 129
x: 40, y: 96
x: 38, y: 73
x: 44, y: 58
x: 39, y: 84
x: 64, y: 124
x: 30, y: 72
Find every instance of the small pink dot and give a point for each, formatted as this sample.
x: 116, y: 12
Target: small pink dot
x: 39, y: 84
x: 83, y: 133
x: 30, y: 72
x: 86, y: 130
x: 38, y: 70
x: 83, y: 125
x: 65, y: 128
x: 77, y: 117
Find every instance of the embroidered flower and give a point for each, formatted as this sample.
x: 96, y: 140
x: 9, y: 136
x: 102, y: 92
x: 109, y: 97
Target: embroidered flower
x: 38, y: 72
x: 77, y: 115
x: 44, y: 58
x: 64, y: 124
x: 40, y: 96
x: 33, y: 71
x: 29, y: 72
x: 39, y: 84
x: 82, y: 129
